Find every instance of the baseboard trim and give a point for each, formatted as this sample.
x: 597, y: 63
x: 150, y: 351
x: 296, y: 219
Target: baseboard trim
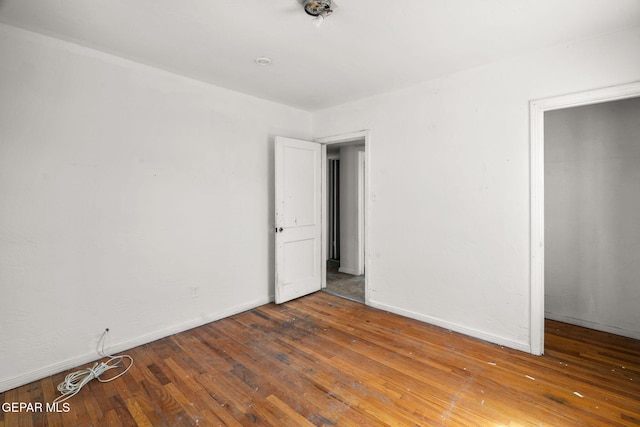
x: 453, y: 327
x: 38, y: 374
x: 593, y: 325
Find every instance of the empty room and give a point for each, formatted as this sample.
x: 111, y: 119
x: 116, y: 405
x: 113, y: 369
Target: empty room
x: 319, y: 213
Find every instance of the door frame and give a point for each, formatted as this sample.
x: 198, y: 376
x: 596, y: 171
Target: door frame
x: 537, y: 108
x: 364, y: 135
x: 362, y: 203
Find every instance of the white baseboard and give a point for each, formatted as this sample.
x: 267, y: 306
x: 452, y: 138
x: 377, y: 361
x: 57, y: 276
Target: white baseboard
x: 17, y: 381
x: 593, y: 325
x: 516, y: 345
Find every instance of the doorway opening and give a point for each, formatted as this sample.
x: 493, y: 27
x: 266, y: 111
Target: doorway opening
x: 592, y: 241
x: 345, y: 213
x: 538, y: 109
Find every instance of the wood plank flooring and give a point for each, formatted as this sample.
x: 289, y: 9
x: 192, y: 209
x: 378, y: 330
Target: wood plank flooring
x: 326, y: 361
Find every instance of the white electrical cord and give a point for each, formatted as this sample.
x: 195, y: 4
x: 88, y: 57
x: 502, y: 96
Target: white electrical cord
x: 76, y: 380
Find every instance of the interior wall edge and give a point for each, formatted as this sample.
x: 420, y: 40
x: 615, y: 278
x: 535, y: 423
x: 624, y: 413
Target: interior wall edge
x: 474, y: 333
x: 74, y: 47
x: 616, y: 330
x: 77, y: 362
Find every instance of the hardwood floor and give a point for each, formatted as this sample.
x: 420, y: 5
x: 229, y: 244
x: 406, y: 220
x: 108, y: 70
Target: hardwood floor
x: 323, y: 360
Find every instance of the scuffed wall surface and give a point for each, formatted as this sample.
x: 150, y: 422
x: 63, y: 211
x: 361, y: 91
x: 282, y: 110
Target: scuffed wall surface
x: 131, y: 198
x: 449, y: 183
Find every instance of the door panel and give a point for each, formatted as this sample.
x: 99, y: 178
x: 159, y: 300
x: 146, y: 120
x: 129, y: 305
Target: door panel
x: 298, y: 192
x: 300, y: 256
x: 300, y: 207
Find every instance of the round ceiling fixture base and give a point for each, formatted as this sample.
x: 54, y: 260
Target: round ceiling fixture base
x: 263, y: 60
x: 318, y: 7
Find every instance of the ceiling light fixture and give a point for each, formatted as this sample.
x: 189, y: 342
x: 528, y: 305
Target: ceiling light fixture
x: 319, y: 9
x: 263, y: 60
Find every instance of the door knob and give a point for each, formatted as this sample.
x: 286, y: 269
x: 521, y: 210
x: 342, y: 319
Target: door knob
x: 279, y: 229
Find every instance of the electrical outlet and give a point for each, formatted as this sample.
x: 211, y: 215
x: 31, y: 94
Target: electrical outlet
x: 195, y: 292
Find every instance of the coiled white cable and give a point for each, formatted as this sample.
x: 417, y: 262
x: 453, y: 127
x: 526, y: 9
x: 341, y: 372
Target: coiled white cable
x: 76, y: 380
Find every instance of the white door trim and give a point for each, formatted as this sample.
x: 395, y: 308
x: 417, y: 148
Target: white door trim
x: 362, y: 188
x: 537, y: 109
x: 337, y: 139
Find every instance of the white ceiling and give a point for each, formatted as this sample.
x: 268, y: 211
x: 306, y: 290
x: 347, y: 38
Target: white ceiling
x: 366, y: 47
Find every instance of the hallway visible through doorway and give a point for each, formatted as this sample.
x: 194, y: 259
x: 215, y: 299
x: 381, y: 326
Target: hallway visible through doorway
x: 344, y: 285
x: 345, y: 201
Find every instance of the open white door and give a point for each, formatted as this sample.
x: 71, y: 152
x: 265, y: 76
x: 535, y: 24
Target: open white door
x: 298, y: 204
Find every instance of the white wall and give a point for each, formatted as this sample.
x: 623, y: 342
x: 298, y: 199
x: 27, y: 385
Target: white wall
x: 122, y: 188
x: 449, y: 184
x: 349, y: 213
x: 592, y: 229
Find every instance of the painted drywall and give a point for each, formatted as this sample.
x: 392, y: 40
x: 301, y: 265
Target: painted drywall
x: 131, y: 198
x: 592, y: 233
x: 449, y: 219
x: 349, y: 214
